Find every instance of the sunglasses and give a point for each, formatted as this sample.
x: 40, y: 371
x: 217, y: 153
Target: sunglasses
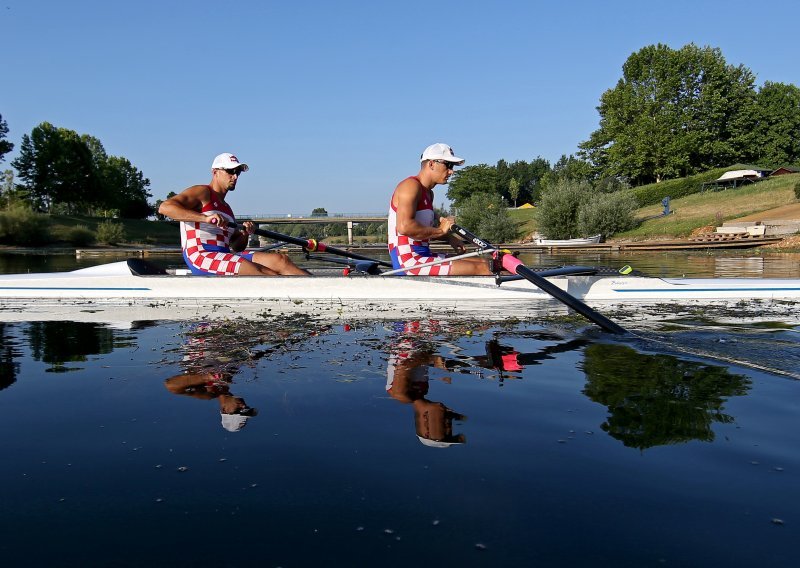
x: 233, y: 171
x: 448, y: 165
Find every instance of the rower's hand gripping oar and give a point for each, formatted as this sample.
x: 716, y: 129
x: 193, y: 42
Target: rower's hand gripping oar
x: 311, y: 245
x: 514, y: 266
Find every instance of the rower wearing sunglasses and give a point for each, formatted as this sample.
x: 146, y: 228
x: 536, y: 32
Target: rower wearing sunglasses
x: 412, y: 220
x: 210, y: 243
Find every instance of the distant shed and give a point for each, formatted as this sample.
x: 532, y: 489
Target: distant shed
x: 782, y: 171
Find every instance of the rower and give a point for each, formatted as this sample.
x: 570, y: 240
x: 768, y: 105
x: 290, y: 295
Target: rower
x: 412, y: 220
x: 210, y: 243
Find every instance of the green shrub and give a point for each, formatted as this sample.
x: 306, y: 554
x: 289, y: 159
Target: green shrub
x: 486, y: 215
x: 797, y: 190
x: 20, y: 225
x: 80, y: 235
x: 110, y: 232
x: 557, y: 213
x: 607, y: 214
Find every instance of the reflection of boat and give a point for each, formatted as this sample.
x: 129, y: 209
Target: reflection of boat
x: 125, y: 284
x: 593, y: 240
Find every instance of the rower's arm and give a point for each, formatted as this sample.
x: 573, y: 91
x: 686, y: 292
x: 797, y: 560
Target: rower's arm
x: 405, y: 200
x: 188, y: 204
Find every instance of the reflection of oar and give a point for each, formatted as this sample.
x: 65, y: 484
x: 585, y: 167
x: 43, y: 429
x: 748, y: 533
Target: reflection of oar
x: 311, y: 245
x: 514, y: 266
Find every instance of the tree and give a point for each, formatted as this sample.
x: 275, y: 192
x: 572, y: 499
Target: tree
x: 60, y: 167
x: 557, y: 214
x: 567, y: 168
x: 673, y: 113
x: 125, y: 188
x: 472, y: 180
x: 776, y: 132
x: 57, y: 167
x: 5, y: 145
x: 513, y: 190
x: 7, y: 185
x: 319, y: 212
x: 607, y: 214
x: 487, y: 179
x: 487, y: 215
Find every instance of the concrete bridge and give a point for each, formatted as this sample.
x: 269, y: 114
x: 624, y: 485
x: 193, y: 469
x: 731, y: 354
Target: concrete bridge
x: 289, y: 219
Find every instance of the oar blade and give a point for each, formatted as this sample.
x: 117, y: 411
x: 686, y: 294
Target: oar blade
x: 514, y: 266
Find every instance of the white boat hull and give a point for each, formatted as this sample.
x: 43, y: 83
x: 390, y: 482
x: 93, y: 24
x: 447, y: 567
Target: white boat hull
x: 113, y: 286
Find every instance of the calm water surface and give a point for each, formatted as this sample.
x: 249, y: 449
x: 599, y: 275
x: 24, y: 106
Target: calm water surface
x: 289, y: 442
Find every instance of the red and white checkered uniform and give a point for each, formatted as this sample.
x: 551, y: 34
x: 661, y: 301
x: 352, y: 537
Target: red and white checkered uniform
x: 407, y: 252
x: 206, y: 247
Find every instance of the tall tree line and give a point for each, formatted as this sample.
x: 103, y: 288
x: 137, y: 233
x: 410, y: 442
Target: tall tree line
x: 61, y: 170
x: 674, y: 113
x: 679, y: 112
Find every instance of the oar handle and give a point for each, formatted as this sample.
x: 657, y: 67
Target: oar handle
x: 471, y: 237
x: 312, y: 245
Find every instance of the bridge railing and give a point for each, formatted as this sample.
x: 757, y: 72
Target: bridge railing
x: 288, y: 219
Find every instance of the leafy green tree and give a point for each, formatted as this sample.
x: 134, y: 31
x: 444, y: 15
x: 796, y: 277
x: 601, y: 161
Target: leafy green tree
x: 5, y: 145
x: 487, y: 215
x: 557, y: 214
x: 567, y: 168
x: 125, y: 188
x: 71, y: 171
x: 6, y: 186
x: 110, y: 232
x: 56, y: 166
x: 775, y: 136
x: 513, y: 190
x: 472, y: 180
x: 607, y: 214
x: 319, y: 212
x: 673, y: 113
x: 497, y: 179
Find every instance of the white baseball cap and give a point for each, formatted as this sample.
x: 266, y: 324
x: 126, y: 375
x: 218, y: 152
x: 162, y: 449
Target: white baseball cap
x: 234, y: 422
x: 438, y: 443
x: 440, y: 151
x: 228, y: 161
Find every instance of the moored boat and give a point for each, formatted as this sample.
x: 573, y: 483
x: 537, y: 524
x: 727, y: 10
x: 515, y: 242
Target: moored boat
x: 593, y: 240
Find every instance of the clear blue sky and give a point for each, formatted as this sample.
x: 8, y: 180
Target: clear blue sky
x: 332, y: 102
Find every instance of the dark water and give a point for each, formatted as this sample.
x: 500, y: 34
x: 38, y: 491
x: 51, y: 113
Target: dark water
x: 395, y: 444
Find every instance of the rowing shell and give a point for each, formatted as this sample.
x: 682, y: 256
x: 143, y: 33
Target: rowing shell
x: 168, y: 295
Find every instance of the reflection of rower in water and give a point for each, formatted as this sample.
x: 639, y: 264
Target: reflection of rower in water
x: 207, y: 386
x: 408, y: 381
x: 208, y: 377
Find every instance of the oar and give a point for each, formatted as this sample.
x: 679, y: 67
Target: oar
x: 311, y: 245
x: 515, y: 266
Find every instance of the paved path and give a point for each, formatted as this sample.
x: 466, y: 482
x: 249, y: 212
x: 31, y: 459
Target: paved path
x: 790, y: 212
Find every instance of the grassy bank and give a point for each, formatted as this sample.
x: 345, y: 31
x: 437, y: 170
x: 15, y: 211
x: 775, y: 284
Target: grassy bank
x: 690, y: 213
x: 711, y: 208
x: 137, y: 231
